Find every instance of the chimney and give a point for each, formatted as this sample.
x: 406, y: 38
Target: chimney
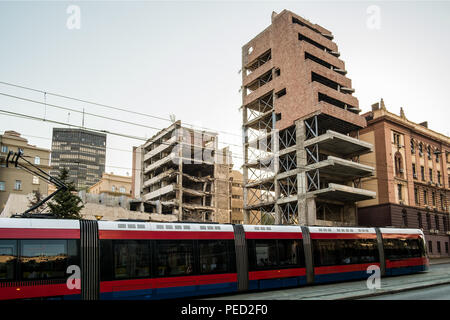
x: 375, y: 106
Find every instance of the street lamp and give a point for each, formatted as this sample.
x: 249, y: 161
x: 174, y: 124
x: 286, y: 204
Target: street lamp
x: 98, y: 217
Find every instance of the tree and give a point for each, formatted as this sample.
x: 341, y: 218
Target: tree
x: 37, y: 197
x: 65, y: 204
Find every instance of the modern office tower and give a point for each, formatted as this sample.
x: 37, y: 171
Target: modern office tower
x: 82, y: 152
x: 300, y: 127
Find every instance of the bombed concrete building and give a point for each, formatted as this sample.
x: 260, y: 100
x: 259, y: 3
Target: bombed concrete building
x: 300, y: 128
x: 181, y: 175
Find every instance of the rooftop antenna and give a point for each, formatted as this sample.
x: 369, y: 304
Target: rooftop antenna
x: 82, y: 122
x: 68, y: 117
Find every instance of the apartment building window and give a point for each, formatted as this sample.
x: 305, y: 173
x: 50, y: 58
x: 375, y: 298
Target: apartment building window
x: 396, y: 138
x: 442, y: 201
x: 430, y: 171
x: 436, y: 220
x: 2, y: 185
x: 437, y: 157
x: 413, y: 146
x: 419, y: 219
x: 37, y: 160
x: 18, y: 185
x: 439, y: 247
x: 445, y: 223
x: 398, y: 164
x: 4, y: 149
x: 422, y: 172
x: 430, y: 246
x: 433, y: 198
x: 35, y: 180
x: 113, y: 188
x: 416, y: 195
x: 446, y: 247
x: 414, y: 171
x: 122, y: 189
x: 420, y: 149
x: 439, y: 177
x: 405, y: 218
x: 429, y: 152
x: 399, y: 191
x: 425, y: 197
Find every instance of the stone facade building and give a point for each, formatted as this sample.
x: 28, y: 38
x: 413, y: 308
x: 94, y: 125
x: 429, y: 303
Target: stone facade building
x: 412, y: 179
x: 112, y: 184
x: 300, y: 128
x: 15, y: 180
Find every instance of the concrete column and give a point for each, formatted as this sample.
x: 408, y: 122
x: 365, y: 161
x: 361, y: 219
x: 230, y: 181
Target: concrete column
x: 276, y: 166
x: 304, y: 205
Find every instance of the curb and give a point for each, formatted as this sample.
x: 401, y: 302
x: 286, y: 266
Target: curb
x: 393, y: 291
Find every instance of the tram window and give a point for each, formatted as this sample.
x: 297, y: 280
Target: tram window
x: 290, y: 253
x: 416, y: 249
x: 213, y: 256
x: 131, y: 259
x: 326, y: 252
x: 47, y: 259
x: 396, y: 249
x: 266, y: 253
x: 174, y: 258
x: 106, y: 260
x: 8, y: 258
x: 368, y: 250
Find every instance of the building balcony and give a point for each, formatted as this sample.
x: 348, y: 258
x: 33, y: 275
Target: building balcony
x: 157, y: 193
x: 341, y: 169
x: 343, y: 193
x: 337, y: 143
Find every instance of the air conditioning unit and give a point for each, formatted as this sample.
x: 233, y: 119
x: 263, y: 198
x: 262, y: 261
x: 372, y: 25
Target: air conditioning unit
x: 415, y: 175
x: 430, y: 182
x: 401, y: 202
x: 448, y: 232
x: 436, y: 231
x: 401, y: 170
x: 431, y: 230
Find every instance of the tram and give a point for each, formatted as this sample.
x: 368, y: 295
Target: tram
x: 102, y: 260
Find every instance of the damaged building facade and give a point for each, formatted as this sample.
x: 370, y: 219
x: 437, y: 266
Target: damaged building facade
x: 181, y: 175
x: 300, y: 128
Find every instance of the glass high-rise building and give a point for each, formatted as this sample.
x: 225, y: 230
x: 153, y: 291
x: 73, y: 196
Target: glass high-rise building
x: 82, y: 152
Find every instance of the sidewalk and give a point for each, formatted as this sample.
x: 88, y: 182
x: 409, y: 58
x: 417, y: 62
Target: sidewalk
x: 439, y: 260
x: 438, y: 275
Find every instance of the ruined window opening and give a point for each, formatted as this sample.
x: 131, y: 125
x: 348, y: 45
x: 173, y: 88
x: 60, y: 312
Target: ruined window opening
x: 277, y: 72
x: 280, y: 93
x: 258, y: 62
x: 335, y: 102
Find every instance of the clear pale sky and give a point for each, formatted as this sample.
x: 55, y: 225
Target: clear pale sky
x: 183, y: 58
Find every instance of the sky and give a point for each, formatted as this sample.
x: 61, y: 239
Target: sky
x: 183, y: 58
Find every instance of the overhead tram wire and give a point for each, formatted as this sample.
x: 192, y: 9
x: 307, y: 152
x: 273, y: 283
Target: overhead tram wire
x: 95, y: 115
x: 112, y: 107
x: 24, y: 116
